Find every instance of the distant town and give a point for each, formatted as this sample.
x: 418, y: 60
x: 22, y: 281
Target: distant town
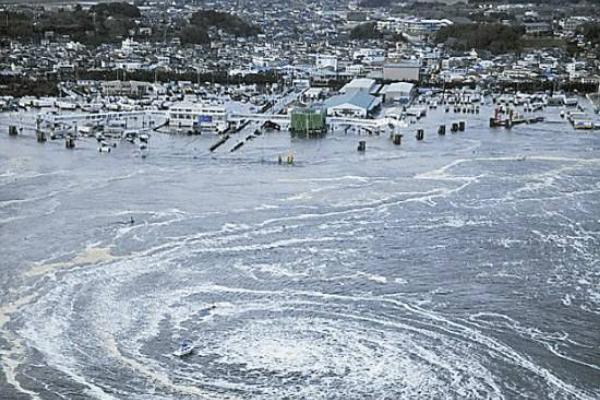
x: 201, y: 61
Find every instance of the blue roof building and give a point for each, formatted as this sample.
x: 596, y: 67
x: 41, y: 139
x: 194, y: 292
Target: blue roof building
x: 356, y: 103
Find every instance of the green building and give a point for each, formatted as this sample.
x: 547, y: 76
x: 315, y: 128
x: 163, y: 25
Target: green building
x: 308, y: 122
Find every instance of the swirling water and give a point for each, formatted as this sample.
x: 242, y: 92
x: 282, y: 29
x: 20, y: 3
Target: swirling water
x: 463, y: 267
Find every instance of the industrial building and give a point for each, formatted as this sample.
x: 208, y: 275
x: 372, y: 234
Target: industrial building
x: 198, y: 117
x: 408, y: 70
x: 399, y: 92
x: 126, y: 88
x: 327, y: 61
x: 355, y: 104
x: 360, y: 84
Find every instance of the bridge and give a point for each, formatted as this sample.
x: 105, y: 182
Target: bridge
x: 98, y: 117
x: 278, y: 118
x: 71, y: 119
x: 282, y: 119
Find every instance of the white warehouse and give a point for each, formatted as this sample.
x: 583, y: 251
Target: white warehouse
x: 198, y: 117
x: 399, y: 92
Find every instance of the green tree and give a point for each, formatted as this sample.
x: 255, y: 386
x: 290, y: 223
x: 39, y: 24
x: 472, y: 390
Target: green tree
x: 496, y: 38
x: 591, y: 32
x: 365, y: 31
x: 229, y: 23
x: 193, y: 35
x: 116, y: 9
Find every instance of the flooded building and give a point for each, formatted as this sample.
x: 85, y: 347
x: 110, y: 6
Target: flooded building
x: 399, y: 92
x: 198, y: 117
x: 356, y: 104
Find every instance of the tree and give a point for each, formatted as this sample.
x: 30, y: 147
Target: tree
x: 591, y: 32
x: 193, y: 35
x: 375, y: 3
x: 16, y: 25
x: 229, y: 23
x: 496, y: 38
x: 365, y: 31
x: 117, y: 9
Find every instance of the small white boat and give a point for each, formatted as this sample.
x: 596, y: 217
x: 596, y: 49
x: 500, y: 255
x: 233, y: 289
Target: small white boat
x: 186, y: 347
x: 583, y: 124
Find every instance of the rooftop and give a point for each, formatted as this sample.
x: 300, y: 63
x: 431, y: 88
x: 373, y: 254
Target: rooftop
x: 403, y: 87
x: 355, y: 98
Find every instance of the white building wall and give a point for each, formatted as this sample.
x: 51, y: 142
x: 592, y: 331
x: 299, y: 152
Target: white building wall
x: 207, y: 118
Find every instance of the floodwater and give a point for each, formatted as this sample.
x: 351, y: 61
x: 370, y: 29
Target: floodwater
x: 465, y: 266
